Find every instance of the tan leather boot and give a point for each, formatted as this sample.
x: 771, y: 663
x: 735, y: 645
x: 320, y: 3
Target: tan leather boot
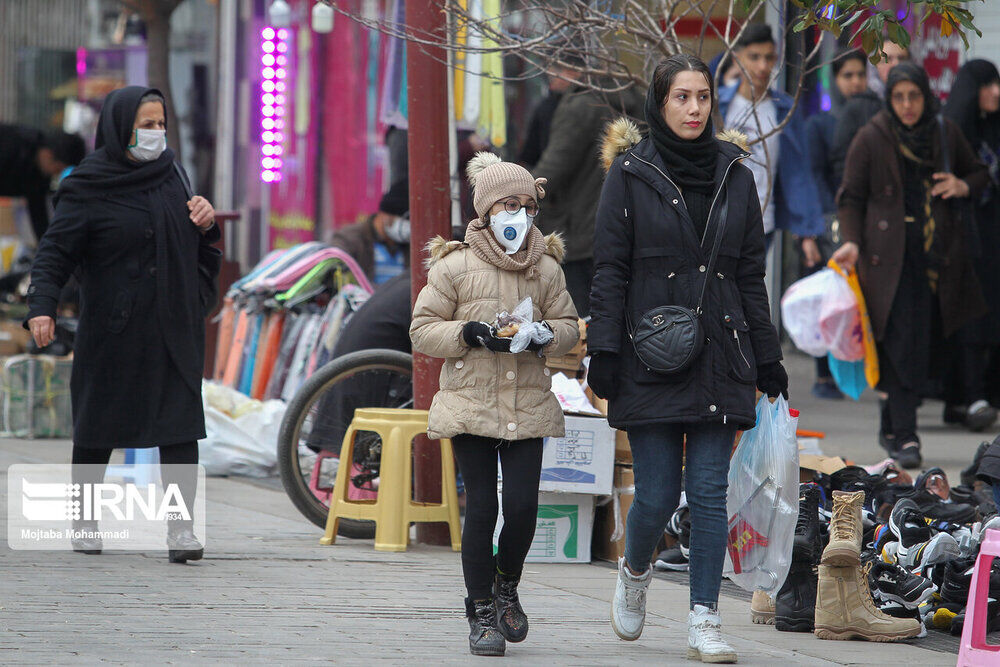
x: 762, y: 608
x: 844, y: 548
x: 845, y: 609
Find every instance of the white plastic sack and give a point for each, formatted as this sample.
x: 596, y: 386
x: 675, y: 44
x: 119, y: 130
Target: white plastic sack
x: 800, y: 310
x: 840, y: 321
x: 763, y: 500
x: 242, y: 433
x: 528, y: 331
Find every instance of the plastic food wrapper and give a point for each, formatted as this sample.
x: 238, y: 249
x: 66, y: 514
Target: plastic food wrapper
x: 763, y: 500
x: 523, y: 331
x: 571, y: 396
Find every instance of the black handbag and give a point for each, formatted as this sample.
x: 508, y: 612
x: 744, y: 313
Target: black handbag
x: 962, y: 207
x: 668, y: 339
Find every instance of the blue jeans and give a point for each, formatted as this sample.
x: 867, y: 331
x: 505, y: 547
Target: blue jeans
x: 657, y: 458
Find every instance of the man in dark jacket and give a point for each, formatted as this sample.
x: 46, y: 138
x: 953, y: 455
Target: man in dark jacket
x: 571, y: 165
x: 536, y: 139
x: 381, y: 244
x: 29, y: 160
x: 862, y: 108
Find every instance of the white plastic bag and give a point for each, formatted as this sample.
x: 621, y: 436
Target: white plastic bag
x: 763, y: 500
x: 840, y: 321
x: 800, y: 311
x: 527, y: 332
x: 241, y: 433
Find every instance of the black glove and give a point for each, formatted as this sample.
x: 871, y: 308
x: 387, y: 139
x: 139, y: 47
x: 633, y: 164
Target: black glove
x: 602, y: 376
x: 772, y: 379
x: 538, y: 347
x: 481, y: 334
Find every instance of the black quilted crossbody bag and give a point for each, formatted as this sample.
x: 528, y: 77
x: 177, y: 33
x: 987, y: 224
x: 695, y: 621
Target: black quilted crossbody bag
x: 668, y: 339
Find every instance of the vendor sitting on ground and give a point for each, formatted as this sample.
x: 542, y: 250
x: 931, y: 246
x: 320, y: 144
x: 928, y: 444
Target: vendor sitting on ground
x: 381, y: 244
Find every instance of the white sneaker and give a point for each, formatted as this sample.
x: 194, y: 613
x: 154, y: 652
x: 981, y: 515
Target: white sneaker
x: 628, y: 609
x: 705, y: 641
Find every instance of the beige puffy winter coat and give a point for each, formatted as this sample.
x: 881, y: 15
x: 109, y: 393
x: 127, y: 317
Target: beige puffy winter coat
x: 503, y: 396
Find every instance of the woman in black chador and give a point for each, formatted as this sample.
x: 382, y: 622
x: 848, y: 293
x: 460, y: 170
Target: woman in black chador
x: 140, y: 243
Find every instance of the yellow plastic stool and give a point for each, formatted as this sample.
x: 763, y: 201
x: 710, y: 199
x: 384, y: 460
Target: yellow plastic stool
x: 393, y: 510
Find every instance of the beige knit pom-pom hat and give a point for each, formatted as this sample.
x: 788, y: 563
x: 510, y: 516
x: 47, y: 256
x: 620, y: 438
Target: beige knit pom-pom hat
x: 492, y: 179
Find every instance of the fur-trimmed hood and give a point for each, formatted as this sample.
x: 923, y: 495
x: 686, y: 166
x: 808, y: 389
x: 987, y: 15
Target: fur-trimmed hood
x: 438, y: 248
x: 622, y: 134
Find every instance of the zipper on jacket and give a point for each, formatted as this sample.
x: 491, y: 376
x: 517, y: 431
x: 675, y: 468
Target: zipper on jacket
x: 714, y: 200
x: 739, y: 347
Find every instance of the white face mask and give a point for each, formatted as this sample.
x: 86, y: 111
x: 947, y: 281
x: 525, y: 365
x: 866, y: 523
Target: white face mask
x: 398, y: 231
x: 510, y: 229
x: 149, y: 144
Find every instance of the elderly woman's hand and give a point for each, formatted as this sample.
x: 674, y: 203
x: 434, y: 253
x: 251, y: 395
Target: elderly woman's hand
x: 43, y: 330
x: 202, y: 213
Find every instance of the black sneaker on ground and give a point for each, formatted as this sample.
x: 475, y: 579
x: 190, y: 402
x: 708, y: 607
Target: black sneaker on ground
x: 808, y: 545
x: 908, y: 455
x: 671, y: 559
x: 795, y: 604
x: 980, y: 416
x: 933, y: 507
x: 958, y: 579
x: 907, y: 523
x: 968, y: 476
x: 891, y: 582
x: 680, y: 527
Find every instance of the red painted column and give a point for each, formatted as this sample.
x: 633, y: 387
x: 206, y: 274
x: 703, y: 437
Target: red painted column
x: 430, y: 216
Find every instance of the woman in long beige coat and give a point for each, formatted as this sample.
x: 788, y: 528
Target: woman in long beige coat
x: 492, y: 401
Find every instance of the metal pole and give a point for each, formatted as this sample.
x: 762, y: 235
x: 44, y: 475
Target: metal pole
x: 430, y: 216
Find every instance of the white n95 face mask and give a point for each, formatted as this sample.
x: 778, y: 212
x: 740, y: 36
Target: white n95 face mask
x: 510, y: 229
x: 398, y: 231
x: 149, y: 144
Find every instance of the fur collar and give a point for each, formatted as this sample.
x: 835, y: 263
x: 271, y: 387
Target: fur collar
x: 621, y: 135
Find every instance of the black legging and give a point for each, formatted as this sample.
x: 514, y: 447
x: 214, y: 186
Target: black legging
x: 182, y: 459
x: 521, y: 461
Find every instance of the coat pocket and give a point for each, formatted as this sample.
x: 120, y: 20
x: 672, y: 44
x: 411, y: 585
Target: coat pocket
x: 121, y: 310
x: 739, y: 351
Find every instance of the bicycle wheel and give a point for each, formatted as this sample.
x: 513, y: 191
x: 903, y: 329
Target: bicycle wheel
x: 319, y: 415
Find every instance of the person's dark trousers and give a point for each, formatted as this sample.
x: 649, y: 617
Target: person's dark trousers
x: 965, y: 374
x: 181, y: 459
x: 521, y: 461
x: 658, y: 455
x: 899, y: 411
x: 579, y: 274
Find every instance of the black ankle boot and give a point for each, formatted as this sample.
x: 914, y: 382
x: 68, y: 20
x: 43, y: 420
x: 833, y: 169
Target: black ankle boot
x: 511, y: 621
x: 795, y: 604
x: 85, y: 539
x: 484, y: 637
x: 182, y: 545
x: 808, y: 545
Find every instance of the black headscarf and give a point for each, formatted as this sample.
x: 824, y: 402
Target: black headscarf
x: 108, y: 169
x: 963, y: 104
x: 919, y: 138
x: 691, y: 162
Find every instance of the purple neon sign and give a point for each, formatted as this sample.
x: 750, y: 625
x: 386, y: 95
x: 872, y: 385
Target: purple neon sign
x: 274, y: 70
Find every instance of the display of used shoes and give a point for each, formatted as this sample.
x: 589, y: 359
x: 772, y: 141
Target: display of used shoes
x: 968, y: 476
x: 938, y: 549
x: 807, y: 546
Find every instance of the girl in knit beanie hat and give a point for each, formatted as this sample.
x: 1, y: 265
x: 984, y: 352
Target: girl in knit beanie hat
x: 492, y: 401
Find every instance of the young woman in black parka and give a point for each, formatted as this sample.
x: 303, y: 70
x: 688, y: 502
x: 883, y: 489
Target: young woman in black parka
x: 142, y: 248
x: 660, y: 208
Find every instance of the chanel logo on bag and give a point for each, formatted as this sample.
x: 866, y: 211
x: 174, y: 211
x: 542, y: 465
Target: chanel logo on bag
x: 657, y: 320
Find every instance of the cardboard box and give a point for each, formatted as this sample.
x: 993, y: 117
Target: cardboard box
x: 563, y: 529
x: 604, y: 547
x: 14, y: 338
x: 570, y: 362
x: 623, y: 451
x: 809, y: 463
x: 583, y: 460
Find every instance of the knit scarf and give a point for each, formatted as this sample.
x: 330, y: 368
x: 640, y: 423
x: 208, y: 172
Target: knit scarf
x: 485, y: 246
